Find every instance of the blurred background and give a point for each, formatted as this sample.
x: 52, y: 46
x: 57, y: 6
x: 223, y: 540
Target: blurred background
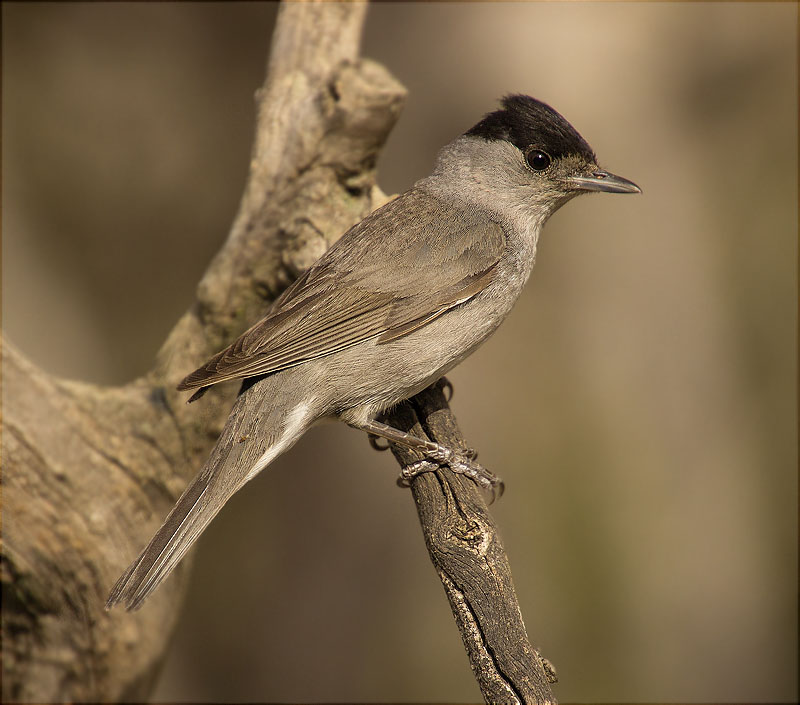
x: 640, y: 402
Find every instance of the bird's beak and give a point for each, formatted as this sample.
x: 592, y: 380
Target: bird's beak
x: 603, y: 181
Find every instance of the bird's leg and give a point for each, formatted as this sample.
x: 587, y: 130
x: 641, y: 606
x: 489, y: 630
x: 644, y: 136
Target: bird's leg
x: 462, y: 462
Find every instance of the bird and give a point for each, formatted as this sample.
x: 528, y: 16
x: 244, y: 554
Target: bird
x: 399, y: 300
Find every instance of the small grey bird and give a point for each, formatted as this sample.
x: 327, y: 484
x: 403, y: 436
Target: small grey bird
x: 401, y: 298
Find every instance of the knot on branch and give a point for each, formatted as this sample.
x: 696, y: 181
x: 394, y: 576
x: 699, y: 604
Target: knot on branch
x: 469, y: 557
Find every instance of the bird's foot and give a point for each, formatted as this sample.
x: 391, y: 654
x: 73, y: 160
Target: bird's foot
x: 409, y: 472
x: 461, y: 462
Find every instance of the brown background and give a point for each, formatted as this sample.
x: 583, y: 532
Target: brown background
x: 639, y: 402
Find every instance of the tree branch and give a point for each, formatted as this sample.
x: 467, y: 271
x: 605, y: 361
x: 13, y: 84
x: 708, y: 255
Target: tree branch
x: 471, y: 562
x: 90, y: 472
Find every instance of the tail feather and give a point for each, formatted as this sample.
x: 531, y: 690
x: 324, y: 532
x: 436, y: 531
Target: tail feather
x: 251, y: 439
x: 180, y: 530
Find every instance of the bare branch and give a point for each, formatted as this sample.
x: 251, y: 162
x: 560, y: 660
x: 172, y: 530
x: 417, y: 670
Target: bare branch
x: 471, y: 562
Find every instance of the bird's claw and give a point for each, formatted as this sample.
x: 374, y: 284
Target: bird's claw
x: 447, y: 390
x: 482, y: 477
x: 374, y: 441
x: 462, y: 463
x: 409, y: 472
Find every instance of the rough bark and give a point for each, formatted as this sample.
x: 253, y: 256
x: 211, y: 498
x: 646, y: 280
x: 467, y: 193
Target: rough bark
x: 89, y: 472
x: 471, y: 562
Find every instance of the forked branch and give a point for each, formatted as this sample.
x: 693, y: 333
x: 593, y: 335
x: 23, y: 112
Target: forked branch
x: 89, y: 472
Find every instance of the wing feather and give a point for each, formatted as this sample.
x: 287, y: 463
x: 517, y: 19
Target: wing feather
x: 350, y: 296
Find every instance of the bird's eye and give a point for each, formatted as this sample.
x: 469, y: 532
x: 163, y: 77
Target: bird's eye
x: 537, y: 159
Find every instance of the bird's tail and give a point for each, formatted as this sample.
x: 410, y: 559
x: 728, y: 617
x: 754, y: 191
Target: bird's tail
x: 254, y: 435
x: 183, y: 525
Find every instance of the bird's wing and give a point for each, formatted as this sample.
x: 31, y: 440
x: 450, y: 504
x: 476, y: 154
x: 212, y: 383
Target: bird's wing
x: 400, y: 268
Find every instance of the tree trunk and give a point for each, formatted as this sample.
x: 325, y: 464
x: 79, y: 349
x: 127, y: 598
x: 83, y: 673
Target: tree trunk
x: 90, y: 472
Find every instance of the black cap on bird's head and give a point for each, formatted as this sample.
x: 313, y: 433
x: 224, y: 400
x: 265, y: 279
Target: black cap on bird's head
x: 526, y: 122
